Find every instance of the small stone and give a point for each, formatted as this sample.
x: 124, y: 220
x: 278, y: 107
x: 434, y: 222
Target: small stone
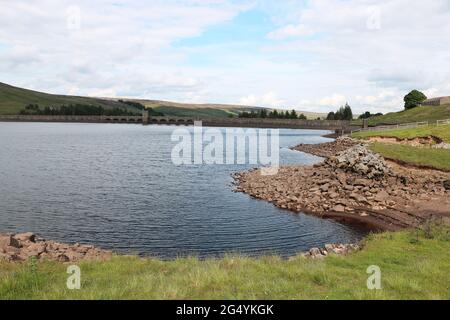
x: 333, y: 195
x: 339, y: 208
x: 63, y: 258
x: 362, y: 182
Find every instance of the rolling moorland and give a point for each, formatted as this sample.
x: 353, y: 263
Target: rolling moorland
x: 417, y: 114
x: 14, y: 99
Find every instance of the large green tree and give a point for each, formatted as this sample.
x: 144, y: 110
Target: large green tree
x: 414, y: 98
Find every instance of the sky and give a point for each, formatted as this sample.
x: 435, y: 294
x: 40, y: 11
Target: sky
x: 309, y: 55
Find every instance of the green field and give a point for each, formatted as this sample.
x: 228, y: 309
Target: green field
x: 442, y: 132
x: 414, y: 265
x: 426, y: 157
x: 418, y: 114
x: 418, y: 156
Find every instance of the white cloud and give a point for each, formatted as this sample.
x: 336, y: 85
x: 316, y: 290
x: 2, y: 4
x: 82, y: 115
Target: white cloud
x: 103, y: 93
x: 290, y: 31
x: 326, y: 52
x: 333, y: 101
x: 99, y: 46
x: 269, y: 99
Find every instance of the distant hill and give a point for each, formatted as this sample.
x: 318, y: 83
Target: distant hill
x: 14, y: 99
x: 417, y: 114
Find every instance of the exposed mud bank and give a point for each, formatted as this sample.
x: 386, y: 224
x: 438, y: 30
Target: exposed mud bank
x: 430, y: 141
x: 354, y: 186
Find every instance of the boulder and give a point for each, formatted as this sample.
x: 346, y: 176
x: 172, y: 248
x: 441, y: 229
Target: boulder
x: 9, y: 241
x: 381, y: 196
x: 27, y: 236
x: 447, y: 184
x: 36, y: 248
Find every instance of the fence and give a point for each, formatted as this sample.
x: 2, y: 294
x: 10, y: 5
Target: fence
x: 403, y: 126
x: 442, y: 122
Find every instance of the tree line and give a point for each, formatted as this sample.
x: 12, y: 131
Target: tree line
x: 343, y: 113
x: 75, y: 110
x: 274, y: 114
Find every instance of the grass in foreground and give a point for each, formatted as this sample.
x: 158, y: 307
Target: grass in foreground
x: 433, y: 158
x: 413, y: 266
x: 418, y: 114
x: 442, y: 132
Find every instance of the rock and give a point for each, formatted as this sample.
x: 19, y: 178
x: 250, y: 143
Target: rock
x: 333, y: 195
x: 361, y: 160
x: 381, y: 196
x: 358, y: 197
x: 9, y: 241
x: 74, y: 255
x: 446, y: 185
x: 404, y: 180
x: 11, y: 250
x: 23, y: 246
x: 362, y: 182
x: 339, y: 208
x: 27, y: 236
x: 63, y: 258
x: 349, y: 187
x: 37, y: 248
x: 340, y: 249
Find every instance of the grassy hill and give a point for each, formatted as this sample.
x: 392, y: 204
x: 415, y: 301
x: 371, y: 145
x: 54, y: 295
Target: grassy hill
x: 14, y: 99
x: 195, y: 110
x: 418, y: 114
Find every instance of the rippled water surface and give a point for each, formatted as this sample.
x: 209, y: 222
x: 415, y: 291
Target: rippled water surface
x: 115, y: 186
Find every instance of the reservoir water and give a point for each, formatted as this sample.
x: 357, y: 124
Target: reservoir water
x: 115, y: 186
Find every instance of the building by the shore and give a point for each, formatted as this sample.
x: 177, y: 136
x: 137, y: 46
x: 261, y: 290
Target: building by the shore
x: 440, y: 101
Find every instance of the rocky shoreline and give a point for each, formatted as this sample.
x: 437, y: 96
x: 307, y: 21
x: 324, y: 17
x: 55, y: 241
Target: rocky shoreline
x: 352, y: 185
x: 356, y: 186
x: 337, y: 249
x: 23, y: 246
